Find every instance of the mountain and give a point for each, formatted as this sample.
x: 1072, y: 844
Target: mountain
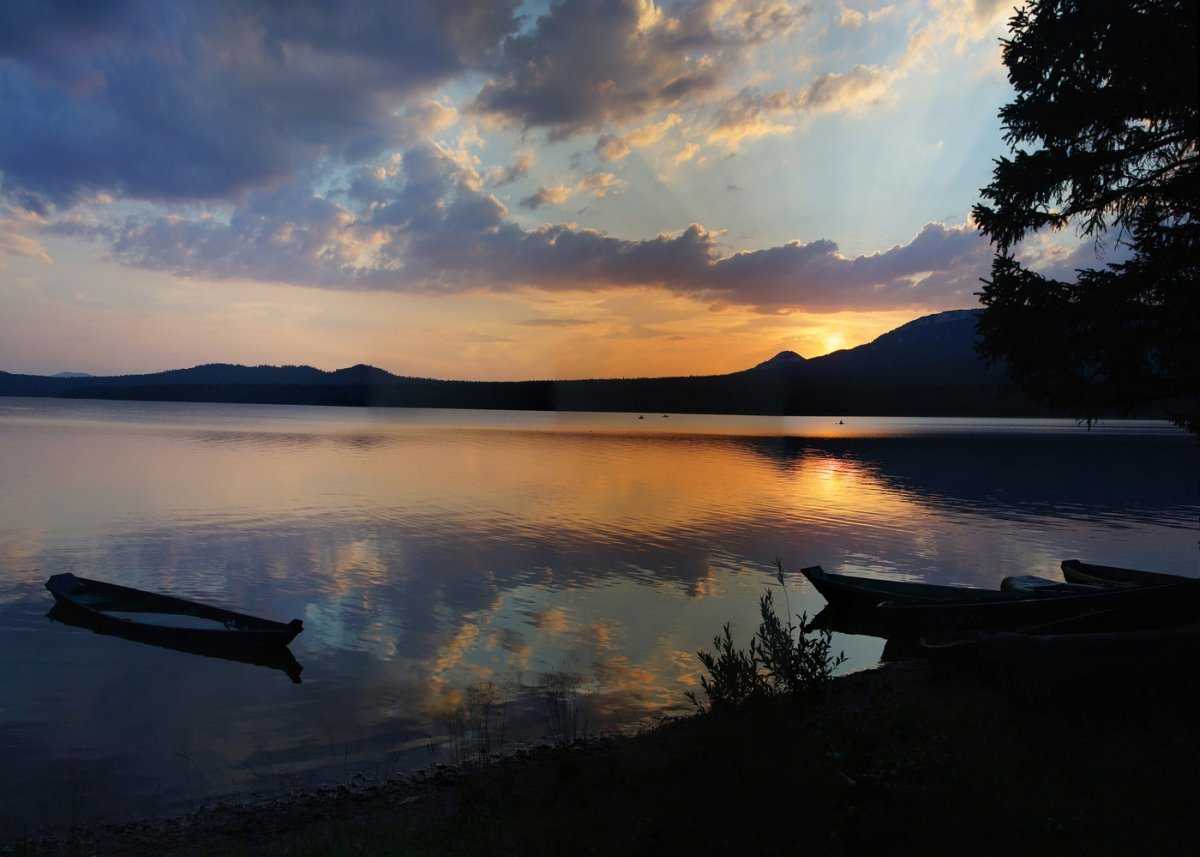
x: 71, y: 375
x: 783, y: 358
x: 926, y: 367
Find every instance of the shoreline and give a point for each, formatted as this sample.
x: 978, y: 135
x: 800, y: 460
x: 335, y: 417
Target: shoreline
x: 910, y: 757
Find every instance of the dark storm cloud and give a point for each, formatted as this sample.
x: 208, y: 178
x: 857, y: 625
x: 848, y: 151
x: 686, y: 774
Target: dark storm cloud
x: 198, y: 100
x: 430, y: 227
x: 594, y: 61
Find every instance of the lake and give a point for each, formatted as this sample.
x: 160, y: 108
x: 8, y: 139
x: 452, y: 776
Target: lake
x: 432, y: 552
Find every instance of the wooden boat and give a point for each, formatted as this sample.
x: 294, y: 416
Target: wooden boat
x: 151, y: 617
x: 1031, y: 584
x: 274, y: 657
x: 847, y: 592
x: 1127, y: 608
x: 1089, y: 574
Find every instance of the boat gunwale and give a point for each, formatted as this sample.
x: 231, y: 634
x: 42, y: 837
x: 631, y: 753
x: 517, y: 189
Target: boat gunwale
x: 903, y: 591
x: 247, y: 630
x: 1117, y: 577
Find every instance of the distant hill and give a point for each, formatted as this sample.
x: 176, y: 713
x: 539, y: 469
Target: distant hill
x: 783, y: 358
x: 926, y: 367
x: 71, y: 375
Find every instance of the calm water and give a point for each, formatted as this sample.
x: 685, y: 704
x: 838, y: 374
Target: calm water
x: 429, y: 551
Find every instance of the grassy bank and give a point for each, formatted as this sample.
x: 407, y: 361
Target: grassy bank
x: 910, y: 758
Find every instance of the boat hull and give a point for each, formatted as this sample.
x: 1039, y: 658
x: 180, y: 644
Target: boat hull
x: 94, y: 599
x: 847, y: 593
x: 1132, y: 609
x: 275, y: 656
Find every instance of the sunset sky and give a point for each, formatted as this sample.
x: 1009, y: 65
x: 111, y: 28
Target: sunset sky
x: 483, y: 189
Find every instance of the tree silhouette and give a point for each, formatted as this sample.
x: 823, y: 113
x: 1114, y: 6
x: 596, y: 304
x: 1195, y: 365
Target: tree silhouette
x: 1105, y: 136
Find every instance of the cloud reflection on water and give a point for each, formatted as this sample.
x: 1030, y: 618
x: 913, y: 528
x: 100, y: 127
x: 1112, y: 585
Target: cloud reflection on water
x: 426, y: 551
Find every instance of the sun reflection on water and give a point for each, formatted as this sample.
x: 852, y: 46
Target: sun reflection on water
x: 429, y: 552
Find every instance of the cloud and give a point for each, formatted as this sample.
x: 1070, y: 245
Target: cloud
x: 554, y: 322
x: 612, y: 148
x: 967, y: 21
x: 517, y: 170
x: 751, y: 113
x: 853, y: 19
x: 598, y: 184
x: 14, y: 224
x: 591, y: 62
x: 1046, y: 253
x: 14, y: 243
x: 194, y: 100
x: 858, y: 87
x: 552, y: 195
x: 434, y: 229
x: 426, y: 118
x: 653, y: 132
x: 686, y: 153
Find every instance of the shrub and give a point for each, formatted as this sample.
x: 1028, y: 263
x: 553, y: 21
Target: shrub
x: 785, y: 658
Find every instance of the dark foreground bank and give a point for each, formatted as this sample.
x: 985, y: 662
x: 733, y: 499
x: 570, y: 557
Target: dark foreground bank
x: 911, y: 758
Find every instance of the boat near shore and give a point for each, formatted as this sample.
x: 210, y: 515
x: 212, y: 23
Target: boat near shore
x: 274, y: 657
x: 848, y: 592
x: 164, y: 619
x: 1095, y: 599
x: 1090, y: 574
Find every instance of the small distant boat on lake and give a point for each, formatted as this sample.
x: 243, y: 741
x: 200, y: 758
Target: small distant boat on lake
x: 166, y: 620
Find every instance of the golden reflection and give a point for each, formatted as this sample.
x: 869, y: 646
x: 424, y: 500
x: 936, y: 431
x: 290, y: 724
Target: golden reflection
x: 704, y: 587
x: 529, y: 483
x: 553, y: 620
x: 687, y: 668
x: 452, y: 654
x: 428, y: 552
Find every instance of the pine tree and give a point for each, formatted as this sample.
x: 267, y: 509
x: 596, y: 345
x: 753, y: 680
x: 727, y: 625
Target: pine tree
x: 1105, y: 137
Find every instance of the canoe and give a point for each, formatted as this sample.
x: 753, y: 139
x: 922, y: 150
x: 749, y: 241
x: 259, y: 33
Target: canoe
x: 1089, y: 574
x: 1135, y: 608
x: 862, y: 594
x: 128, y: 612
x: 846, y: 592
x: 274, y: 657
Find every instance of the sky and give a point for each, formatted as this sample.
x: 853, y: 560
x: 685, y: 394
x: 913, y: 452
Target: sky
x: 491, y: 189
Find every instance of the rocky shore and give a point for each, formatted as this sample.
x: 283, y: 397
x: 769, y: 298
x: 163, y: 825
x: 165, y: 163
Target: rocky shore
x: 912, y: 757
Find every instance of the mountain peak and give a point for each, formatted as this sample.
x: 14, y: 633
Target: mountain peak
x: 781, y: 360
